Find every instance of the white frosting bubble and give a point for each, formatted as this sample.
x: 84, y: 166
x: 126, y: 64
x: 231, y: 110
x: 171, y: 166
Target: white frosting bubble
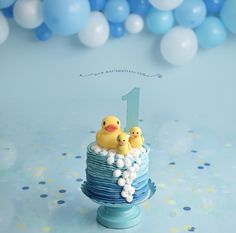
x: 128, y: 181
x: 120, y: 163
x: 124, y: 194
x: 120, y: 156
x: 121, y: 182
x: 117, y: 173
x: 125, y: 174
x: 128, y: 162
x: 132, y: 175
x: 131, y: 169
x: 136, y: 167
x: 104, y: 152
x: 110, y: 160
x: 129, y: 198
x: 127, y: 187
x: 111, y: 153
x: 131, y: 190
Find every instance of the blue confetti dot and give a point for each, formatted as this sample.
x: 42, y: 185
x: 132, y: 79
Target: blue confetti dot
x: 78, y: 157
x: 64, y: 154
x: 187, y: 208
x: 207, y: 164
x: 43, y: 195
x: 62, y: 191
x: 60, y: 202
x: 79, y: 179
x: 149, y: 144
x: 42, y: 182
x: 92, y: 131
x: 25, y: 187
x: 141, y: 120
x: 172, y: 163
x: 192, y: 229
x: 194, y: 151
x: 200, y: 167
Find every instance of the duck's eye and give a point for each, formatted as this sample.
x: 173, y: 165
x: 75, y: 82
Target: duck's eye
x: 104, y: 122
x: 137, y: 133
x: 123, y: 140
x: 118, y: 122
x: 133, y: 132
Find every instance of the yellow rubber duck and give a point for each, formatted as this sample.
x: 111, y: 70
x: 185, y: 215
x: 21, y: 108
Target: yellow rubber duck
x: 123, y: 145
x: 106, y: 137
x: 136, y: 139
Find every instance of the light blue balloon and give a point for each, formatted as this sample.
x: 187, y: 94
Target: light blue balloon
x: 228, y: 15
x: 6, y: 3
x: 211, y: 33
x: 159, y: 22
x: 191, y: 13
x: 66, y: 17
x: 116, y: 11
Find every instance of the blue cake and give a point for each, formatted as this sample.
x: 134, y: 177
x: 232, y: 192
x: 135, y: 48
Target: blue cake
x: 113, y: 181
x: 117, y: 164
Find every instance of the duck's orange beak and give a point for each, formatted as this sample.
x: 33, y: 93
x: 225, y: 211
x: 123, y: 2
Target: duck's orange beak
x: 111, y: 128
x: 121, y: 143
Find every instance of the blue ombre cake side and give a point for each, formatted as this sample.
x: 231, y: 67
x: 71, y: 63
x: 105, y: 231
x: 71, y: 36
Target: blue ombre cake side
x: 101, y: 183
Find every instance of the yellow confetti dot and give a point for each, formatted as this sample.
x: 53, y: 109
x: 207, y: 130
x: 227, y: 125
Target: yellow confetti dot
x: 207, y: 206
x: 146, y: 205
x: 21, y: 226
x: 210, y: 190
x: 199, y: 161
x: 57, y: 195
x: 83, y: 210
x: 161, y: 185
x: 187, y: 227
x: 50, y: 180
x: 76, y: 174
x: 174, y: 230
x: 46, y: 229
x: 171, y: 202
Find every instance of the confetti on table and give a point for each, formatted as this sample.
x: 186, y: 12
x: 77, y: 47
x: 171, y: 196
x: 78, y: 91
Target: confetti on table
x: 46, y: 229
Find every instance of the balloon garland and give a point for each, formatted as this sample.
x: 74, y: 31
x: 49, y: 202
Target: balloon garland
x: 183, y: 25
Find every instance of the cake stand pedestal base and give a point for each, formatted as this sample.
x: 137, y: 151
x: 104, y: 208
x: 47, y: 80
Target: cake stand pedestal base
x: 118, y: 217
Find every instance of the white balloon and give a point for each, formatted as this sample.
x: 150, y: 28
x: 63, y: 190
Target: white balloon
x: 4, y: 28
x: 134, y: 23
x: 165, y: 4
x: 96, y: 32
x: 179, y: 45
x: 28, y: 13
x: 7, y: 155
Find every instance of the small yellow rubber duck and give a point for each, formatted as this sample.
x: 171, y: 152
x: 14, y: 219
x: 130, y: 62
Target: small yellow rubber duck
x: 106, y: 137
x: 123, y: 145
x: 136, y: 139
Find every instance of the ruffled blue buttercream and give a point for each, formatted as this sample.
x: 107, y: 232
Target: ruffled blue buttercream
x: 102, y: 185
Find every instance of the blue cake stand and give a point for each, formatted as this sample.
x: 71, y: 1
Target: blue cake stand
x: 120, y: 216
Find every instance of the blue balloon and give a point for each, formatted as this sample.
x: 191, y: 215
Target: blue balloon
x: 214, y: 6
x: 159, y: 22
x: 97, y: 5
x: 43, y: 33
x: 6, y: 3
x: 211, y: 33
x: 116, y: 11
x: 140, y: 7
x: 66, y: 17
x: 228, y: 15
x: 8, y: 12
x: 117, y: 30
x: 191, y: 13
